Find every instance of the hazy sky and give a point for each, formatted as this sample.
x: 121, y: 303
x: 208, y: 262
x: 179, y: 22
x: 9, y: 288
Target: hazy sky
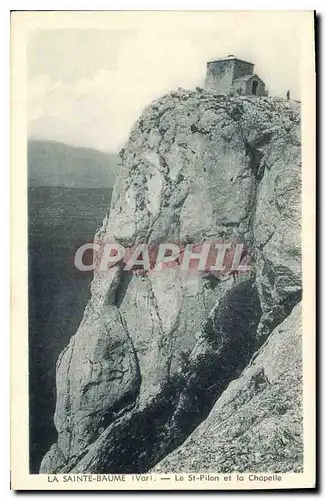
x: 86, y: 87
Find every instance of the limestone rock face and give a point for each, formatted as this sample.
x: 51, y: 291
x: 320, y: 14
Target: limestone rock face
x: 154, y: 352
x: 256, y: 425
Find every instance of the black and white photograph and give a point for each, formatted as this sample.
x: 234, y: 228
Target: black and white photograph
x: 167, y: 341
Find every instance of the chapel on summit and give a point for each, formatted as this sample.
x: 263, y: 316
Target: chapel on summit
x: 232, y: 75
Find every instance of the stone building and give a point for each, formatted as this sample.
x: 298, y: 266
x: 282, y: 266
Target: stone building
x: 231, y: 75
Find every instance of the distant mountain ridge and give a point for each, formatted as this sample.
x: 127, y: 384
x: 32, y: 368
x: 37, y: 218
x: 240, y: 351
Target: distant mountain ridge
x: 52, y: 163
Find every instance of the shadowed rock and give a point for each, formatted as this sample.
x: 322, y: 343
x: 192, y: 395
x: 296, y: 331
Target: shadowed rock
x: 256, y: 425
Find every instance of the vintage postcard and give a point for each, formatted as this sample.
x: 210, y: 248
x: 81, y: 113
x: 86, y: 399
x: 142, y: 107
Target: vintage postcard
x: 163, y: 211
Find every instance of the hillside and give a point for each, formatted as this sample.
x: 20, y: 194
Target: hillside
x: 60, y: 220
x: 52, y: 163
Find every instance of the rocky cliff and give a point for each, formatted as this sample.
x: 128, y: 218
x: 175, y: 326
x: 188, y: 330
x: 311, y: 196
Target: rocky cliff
x: 256, y: 424
x: 193, y: 372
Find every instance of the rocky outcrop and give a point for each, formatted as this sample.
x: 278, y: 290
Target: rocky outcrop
x: 154, y: 352
x: 256, y: 425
